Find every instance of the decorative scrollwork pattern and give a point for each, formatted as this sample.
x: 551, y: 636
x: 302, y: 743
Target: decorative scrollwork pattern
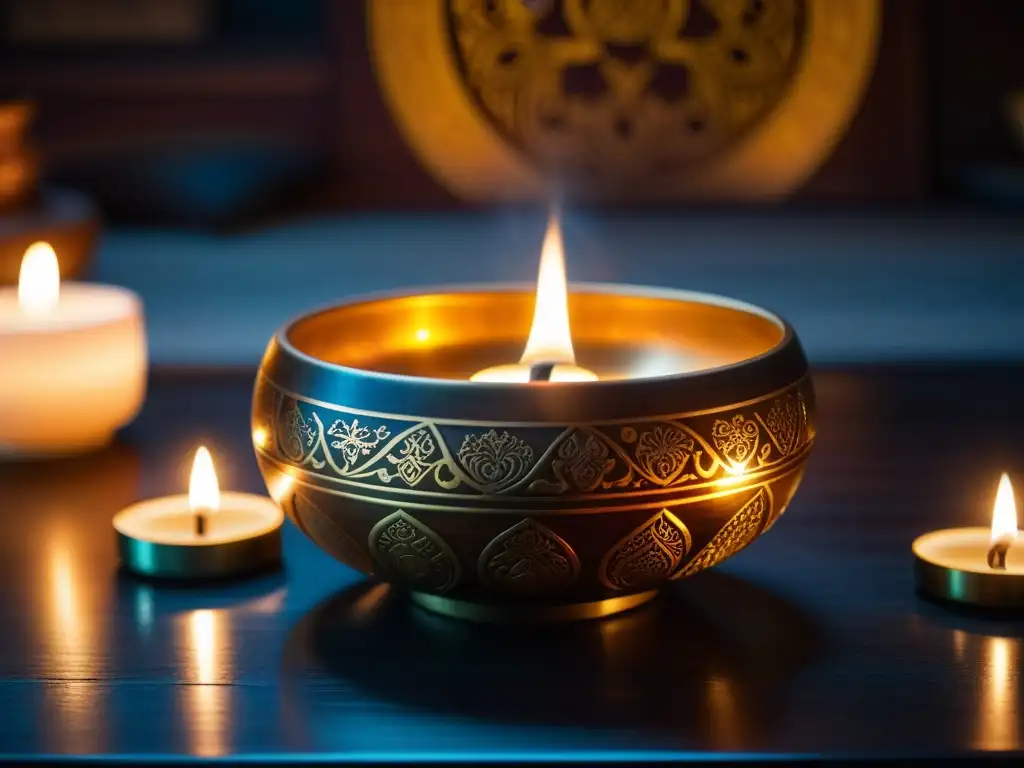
x: 414, y: 554
x: 581, y: 463
x: 736, y: 439
x: 527, y: 559
x: 742, y: 529
x: 295, y: 434
x: 590, y: 460
x: 354, y: 440
x: 495, y: 460
x: 782, y: 422
x: 663, y: 452
x: 648, y: 555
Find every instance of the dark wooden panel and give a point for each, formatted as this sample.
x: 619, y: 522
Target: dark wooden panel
x: 976, y: 61
x: 811, y: 642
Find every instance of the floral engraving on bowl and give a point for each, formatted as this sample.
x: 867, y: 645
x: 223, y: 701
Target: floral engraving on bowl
x: 413, y: 554
x: 736, y: 439
x: 354, y: 439
x: 495, y: 460
x: 741, y: 529
x: 782, y: 423
x: 682, y: 452
x: 528, y: 559
x: 648, y: 555
x: 663, y: 453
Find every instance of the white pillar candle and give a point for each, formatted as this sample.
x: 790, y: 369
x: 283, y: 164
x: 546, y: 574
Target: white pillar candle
x: 72, y: 361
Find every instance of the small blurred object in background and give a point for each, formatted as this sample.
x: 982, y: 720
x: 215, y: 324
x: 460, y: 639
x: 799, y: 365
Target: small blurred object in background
x: 174, y: 112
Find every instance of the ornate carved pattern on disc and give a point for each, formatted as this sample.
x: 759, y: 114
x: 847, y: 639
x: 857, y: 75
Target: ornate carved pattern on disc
x: 414, y: 554
x: 528, y: 559
x: 648, y: 555
x: 742, y: 529
x: 606, y: 90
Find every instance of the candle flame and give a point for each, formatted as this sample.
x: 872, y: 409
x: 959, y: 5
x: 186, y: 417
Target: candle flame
x: 550, y: 339
x: 1004, y: 512
x: 549, y: 346
x: 39, y: 280
x: 203, y: 490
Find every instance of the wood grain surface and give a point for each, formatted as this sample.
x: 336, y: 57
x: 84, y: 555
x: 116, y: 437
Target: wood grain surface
x: 812, y: 643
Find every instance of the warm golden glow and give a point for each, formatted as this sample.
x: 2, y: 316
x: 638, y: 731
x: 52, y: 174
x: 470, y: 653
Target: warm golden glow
x: 73, y: 651
x: 724, y: 724
x: 1004, y: 512
x: 280, y: 488
x: 423, y: 335
x: 998, y: 726
x: 259, y: 437
x: 203, y: 491
x: 550, y: 340
x: 203, y: 641
x: 206, y: 708
x: 39, y: 281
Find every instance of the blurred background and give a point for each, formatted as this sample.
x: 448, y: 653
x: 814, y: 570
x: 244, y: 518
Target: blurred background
x: 857, y: 165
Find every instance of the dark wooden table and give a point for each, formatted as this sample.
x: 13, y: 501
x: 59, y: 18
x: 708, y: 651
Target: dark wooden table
x: 810, y: 643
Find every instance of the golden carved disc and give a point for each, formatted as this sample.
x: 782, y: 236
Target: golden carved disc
x: 646, y: 99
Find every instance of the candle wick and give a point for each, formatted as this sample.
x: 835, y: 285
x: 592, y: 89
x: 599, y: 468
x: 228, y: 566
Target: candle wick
x: 541, y: 371
x: 997, y: 553
x: 200, y: 523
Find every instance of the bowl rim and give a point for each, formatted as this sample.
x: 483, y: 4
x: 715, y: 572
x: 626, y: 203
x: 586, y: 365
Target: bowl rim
x: 357, y: 390
x: 614, y: 289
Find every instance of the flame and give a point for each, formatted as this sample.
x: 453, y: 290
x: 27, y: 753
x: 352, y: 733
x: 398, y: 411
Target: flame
x: 203, y: 491
x: 39, y: 280
x: 550, y: 339
x: 1004, y: 511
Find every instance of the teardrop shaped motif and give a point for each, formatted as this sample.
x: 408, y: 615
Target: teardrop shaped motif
x: 648, y: 555
x: 413, y: 555
x: 782, y: 423
x: 295, y: 433
x: 528, y: 559
x: 741, y: 529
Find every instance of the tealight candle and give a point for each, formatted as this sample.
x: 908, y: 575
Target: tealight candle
x: 976, y: 566
x: 203, y: 535
x: 73, y: 359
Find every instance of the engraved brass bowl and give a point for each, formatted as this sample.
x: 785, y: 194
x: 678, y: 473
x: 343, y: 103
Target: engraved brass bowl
x: 537, y: 501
